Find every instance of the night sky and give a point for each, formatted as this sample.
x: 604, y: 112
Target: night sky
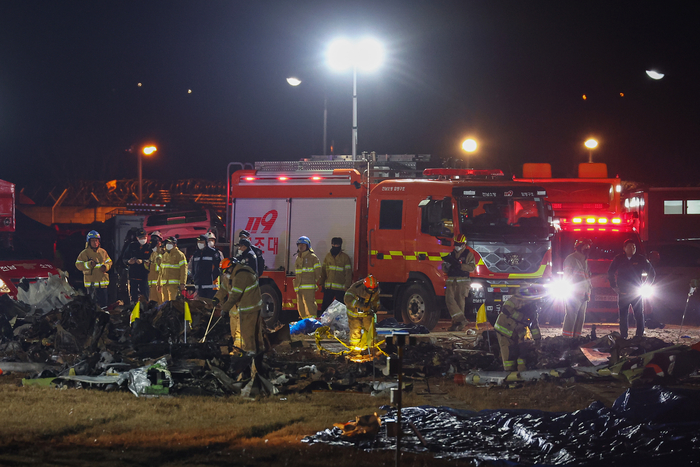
x: 510, y: 73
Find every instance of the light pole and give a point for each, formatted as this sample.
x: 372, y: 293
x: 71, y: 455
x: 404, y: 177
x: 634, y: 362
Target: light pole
x: 146, y: 151
x: 294, y: 82
x: 591, y: 144
x: 469, y: 145
x: 367, y: 54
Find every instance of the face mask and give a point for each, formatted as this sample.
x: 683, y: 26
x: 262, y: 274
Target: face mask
x: 227, y: 275
x: 200, y: 246
x: 459, y: 248
x: 212, y: 243
x: 142, y: 241
x: 335, y: 250
x: 155, y: 248
x: 169, y: 246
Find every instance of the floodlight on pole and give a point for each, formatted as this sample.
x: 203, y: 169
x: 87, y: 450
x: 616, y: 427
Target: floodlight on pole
x: 145, y: 151
x: 469, y: 145
x: 293, y: 81
x: 591, y: 144
x: 366, y: 54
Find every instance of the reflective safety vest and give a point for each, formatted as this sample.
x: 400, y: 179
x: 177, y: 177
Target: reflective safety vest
x: 155, y: 269
x: 174, y: 267
x: 94, y: 276
x: 359, y: 301
x: 241, y: 290
x: 516, y: 316
x: 307, y: 268
x: 205, y: 266
x: 336, y: 272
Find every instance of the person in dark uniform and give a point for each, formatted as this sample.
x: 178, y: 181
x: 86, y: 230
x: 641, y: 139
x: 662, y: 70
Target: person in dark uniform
x: 136, y: 255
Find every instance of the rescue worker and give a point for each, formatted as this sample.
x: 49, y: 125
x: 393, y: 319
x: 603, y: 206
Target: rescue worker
x: 211, y: 241
x: 626, y: 274
x: 204, y: 266
x: 362, y: 302
x: 307, y: 268
x: 518, y: 314
x: 244, y: 234
x: 155, y: 270
x: 240, y: 298
x: 95, y: 263
x: 457, y: 265
x: 135, y: 255
x: 174, y: 266
x: 336, y: 274
x: 577, y: 274
x: 246, y: 255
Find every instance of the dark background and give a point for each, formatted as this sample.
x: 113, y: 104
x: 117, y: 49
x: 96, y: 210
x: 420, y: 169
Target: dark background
x: 510, y: 73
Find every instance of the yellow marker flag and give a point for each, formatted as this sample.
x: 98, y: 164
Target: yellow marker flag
x: 481, y: 315
x: 135, y: 313
x: 188, y: 316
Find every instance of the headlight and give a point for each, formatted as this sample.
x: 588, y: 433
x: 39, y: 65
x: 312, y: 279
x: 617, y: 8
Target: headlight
x: 477, y: 290
x: 3, y: 287
x: 559, y: 289
x: 646, y: 290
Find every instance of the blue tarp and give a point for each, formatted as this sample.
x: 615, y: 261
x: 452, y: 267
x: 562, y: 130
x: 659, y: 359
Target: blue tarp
x: 645, y: 426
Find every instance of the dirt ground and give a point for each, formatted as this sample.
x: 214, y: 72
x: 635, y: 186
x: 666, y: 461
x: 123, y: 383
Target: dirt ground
x: 49, y: 426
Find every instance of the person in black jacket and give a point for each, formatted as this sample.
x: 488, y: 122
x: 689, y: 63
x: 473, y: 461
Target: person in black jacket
x: 628, y: 272
x: 136, y: 254
x: 204, y: 266
x: 246, y: 255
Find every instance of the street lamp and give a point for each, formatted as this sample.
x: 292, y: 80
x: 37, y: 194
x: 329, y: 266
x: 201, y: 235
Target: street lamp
x: 146, y: 151
x: 294, y: 82
x: 366, y: 54
x: 591, y: 144
x: 469, y: 145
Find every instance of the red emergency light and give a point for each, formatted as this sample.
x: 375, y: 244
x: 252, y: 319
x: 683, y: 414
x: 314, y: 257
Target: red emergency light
x: 591, y: 220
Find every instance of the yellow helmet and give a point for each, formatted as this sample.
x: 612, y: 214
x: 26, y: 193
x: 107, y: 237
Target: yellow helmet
x: 460, y: 238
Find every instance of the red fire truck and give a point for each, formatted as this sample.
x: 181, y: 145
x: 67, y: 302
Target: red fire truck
x: 589, y: 206
x: 17, y: 261
x: 397, y: 229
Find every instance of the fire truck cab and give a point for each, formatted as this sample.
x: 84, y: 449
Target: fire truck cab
x: 397, y: 230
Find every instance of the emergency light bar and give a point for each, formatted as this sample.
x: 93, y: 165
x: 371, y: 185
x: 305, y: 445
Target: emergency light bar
x: 595, y: 223
x: 268, y: 178
x: 464, y: 173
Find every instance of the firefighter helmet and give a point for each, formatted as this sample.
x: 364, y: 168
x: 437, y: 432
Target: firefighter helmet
x: 370, y: 282
x: 202, y: 238
x: 243, y: 234
x: 244, y: 242
x: 92, y: 234
x: 157, y: 234
x: 172, y: 240
x: 227, y: 263
x: 461, y: 238
x: 211, y: 236
x: 583, y: 241
x: 531, y: 292
x: 305, y: 241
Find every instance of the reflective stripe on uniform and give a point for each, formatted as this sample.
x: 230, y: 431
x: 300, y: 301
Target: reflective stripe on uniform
x: 252, y: 307
x: 210, y: 286
x: 307, y: 287
x: 503, y: 330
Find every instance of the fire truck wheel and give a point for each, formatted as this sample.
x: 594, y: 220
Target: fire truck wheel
x: 418, y: 306
x: 272, y: 306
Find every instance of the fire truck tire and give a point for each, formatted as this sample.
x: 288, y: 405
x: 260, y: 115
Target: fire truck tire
x: 272, y: 305
x: 418, y: 306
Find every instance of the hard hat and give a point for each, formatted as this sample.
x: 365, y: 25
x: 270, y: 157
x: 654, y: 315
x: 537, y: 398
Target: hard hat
x: 370, y: 282
x: 244, y: 242
x: 227, y: 263
x: 140, y: 233
x: 92, y: 234
x: 460, y: 238
x: 157, y: 234
x: 305, y: 240
x: 172, y: 240
x: 582, y: 241
x: 531, y: 292
x: 202, y: 238
x: 243, y: 234
x: 211, y: 236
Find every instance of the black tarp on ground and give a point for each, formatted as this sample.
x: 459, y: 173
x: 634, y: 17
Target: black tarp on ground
x: 645, y: 426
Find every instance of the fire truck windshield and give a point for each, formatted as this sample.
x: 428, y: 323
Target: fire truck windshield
x: 502, y: 217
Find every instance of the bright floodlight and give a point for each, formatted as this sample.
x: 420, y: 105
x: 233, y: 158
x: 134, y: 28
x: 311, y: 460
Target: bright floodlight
x: 366, y: 54
x: 340, y: 54
x: 469, y: 145
x: 591, y: 143
x: 654, y: 74
x: 148, y: 150
x: 293, y: 81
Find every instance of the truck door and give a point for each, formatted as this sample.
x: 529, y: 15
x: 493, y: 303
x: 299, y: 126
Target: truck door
x: 386, y: 239
x: 321, y: 219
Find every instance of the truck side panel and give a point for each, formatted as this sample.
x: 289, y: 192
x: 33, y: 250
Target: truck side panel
x: 267, y: 220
